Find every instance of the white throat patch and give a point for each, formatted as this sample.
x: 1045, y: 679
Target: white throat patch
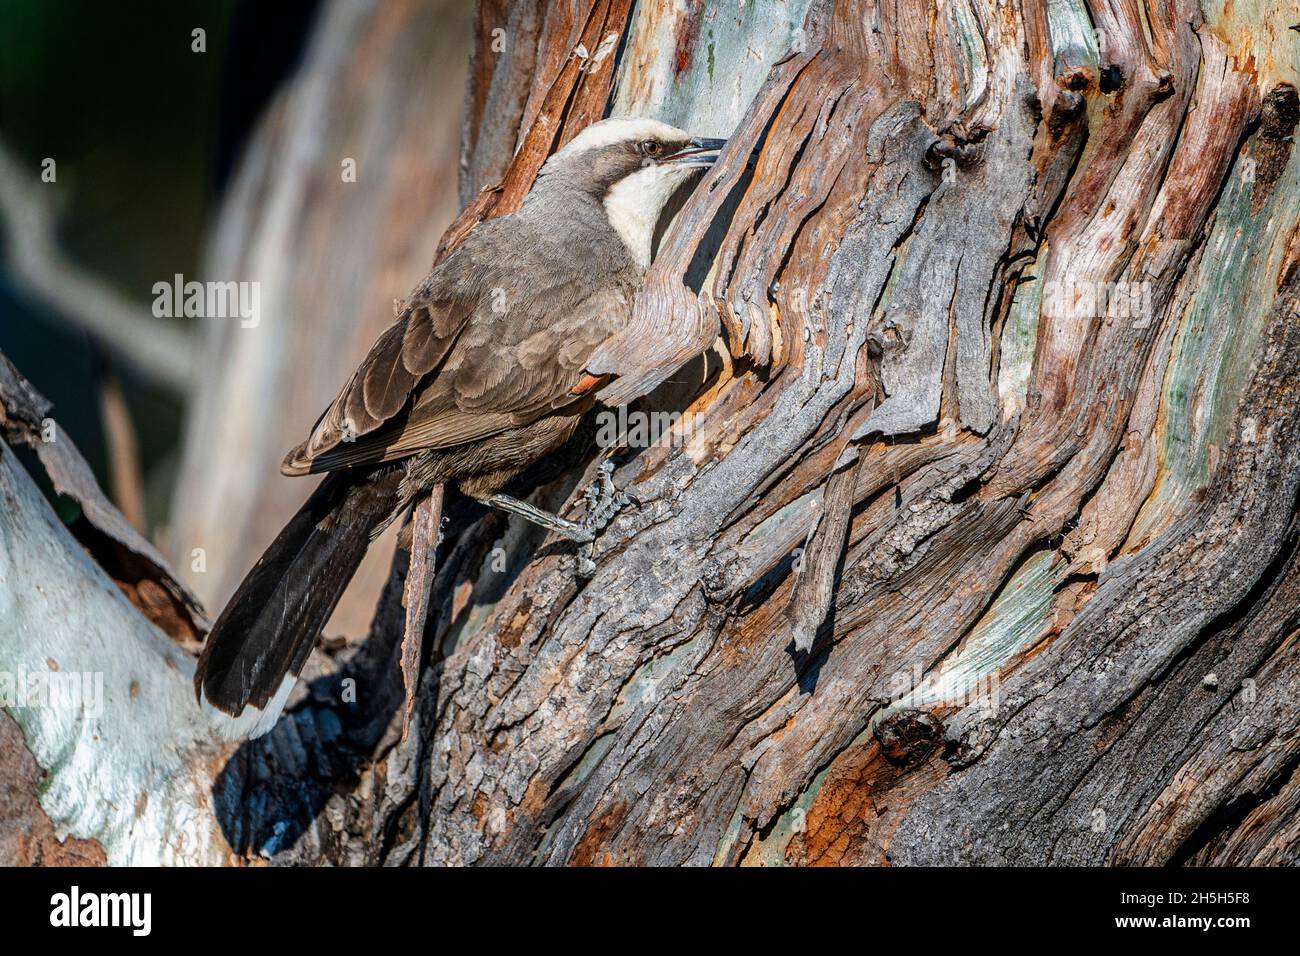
x: 634, y: 203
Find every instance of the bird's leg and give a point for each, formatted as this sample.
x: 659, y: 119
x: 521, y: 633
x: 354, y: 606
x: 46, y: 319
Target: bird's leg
x: 561, y: 526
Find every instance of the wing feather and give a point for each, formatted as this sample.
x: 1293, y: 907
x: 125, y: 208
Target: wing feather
x: 449, y: 372
x: 383, y: 383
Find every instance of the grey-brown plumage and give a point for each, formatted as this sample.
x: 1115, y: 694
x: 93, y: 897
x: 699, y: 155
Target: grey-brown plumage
x: 481, y: 375
x: 492, y: 341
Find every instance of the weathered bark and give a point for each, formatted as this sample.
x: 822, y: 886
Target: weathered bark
x: 1041, y: 553
x: 106, y: 756
x: 1062, y: 524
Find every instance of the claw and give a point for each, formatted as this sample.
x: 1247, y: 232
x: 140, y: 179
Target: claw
x: 586, y: 566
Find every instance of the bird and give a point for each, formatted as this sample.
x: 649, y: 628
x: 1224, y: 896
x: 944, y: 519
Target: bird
x: 481, y: 376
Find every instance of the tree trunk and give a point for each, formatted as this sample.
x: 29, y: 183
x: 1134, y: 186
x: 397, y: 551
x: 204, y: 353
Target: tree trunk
x: 975, y: 540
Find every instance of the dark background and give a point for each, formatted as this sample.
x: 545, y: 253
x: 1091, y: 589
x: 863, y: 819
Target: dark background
x: 145, y: 133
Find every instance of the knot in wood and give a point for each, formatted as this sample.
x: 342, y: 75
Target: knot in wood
x: 907, y: 737
x: 716, y: 579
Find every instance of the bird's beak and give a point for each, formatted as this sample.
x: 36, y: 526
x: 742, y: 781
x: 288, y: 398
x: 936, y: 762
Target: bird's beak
x: 698, y: 152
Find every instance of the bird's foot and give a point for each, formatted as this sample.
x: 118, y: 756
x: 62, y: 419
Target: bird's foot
x: 604, y: 500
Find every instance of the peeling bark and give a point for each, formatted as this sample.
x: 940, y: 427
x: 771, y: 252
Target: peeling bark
x: 27, y: 834
x: 1021, y: 497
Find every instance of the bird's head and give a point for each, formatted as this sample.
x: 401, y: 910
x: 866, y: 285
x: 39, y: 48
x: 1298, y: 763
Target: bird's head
x: 632, y: 166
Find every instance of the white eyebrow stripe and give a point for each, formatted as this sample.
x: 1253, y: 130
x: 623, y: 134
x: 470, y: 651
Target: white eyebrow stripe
x: 619, y: 130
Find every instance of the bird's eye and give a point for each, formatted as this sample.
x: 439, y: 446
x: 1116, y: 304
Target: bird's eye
x: 650, y: 148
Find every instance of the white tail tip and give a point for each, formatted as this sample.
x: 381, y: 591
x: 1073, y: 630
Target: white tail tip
x: 252, y: 722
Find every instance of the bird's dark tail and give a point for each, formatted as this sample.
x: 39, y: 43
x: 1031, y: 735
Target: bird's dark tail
x: 260, y: 642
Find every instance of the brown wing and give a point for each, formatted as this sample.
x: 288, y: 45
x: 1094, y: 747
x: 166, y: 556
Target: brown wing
x: 381, y: 387
x: 459, y: 381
